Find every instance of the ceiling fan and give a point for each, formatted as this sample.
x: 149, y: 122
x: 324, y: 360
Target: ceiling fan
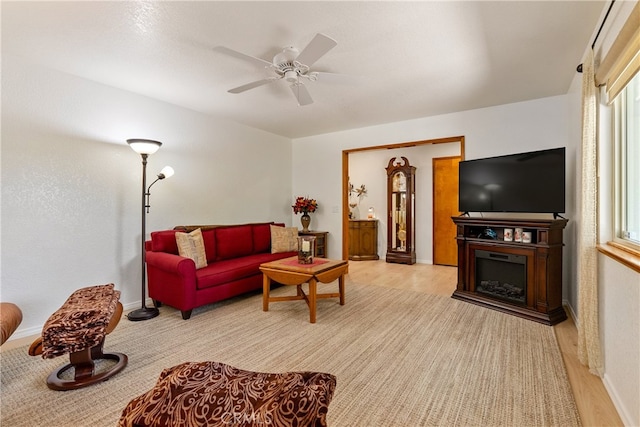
x: 290, y: 64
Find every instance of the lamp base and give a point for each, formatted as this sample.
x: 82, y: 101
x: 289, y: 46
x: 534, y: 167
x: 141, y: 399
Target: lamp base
x: 144, y: 313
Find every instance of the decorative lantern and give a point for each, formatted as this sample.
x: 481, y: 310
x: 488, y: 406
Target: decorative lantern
x: 306, y: 249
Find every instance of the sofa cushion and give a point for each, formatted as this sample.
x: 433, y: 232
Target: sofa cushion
x: 191, y: 245
x: 225, y: 271
x: 233, y: 242
x: 164, y: 241
x: 283, y: 239
x: 261, y: 237
x: 230, y: 270
x: 209, y: 237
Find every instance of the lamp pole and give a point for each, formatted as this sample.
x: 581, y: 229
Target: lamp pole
x: 145, y: 147
x: 143, y: 313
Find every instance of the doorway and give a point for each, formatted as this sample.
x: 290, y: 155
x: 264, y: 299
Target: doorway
x: 345, y: 177
x: 445, y: 205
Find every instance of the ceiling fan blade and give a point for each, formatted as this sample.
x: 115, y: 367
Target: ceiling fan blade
x: 252, y: 85
x: 316, y: 48
x: 256, y: 61
x: 302, y: 94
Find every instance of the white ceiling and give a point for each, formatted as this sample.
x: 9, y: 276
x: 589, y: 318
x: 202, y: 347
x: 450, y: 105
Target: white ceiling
x: 406, y: 59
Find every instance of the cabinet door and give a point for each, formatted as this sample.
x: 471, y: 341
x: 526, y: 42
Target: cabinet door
x: 354, y: 238
x: 363, y: 240
x: 369, y: 238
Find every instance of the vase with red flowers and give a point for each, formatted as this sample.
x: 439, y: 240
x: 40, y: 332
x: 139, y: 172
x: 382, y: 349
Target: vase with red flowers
x: 305, y: 206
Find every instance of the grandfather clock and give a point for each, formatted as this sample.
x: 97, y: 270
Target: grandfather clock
x: 401, y: 230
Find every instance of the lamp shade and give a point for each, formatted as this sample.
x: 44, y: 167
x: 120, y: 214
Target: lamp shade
x: 167, y: 172
x: 144, y: 146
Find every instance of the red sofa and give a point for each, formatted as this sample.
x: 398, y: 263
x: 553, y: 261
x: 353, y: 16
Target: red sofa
x: 234, y: 254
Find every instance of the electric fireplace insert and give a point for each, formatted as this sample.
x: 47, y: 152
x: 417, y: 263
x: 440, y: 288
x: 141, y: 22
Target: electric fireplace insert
x: 501, y: 275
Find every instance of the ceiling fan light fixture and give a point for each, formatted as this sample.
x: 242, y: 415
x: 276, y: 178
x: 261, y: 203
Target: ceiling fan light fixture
x: 291, y: 76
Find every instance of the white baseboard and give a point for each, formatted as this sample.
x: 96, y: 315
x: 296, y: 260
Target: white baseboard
x: 615, y: 398
x: 135, y: 305
x: 33, y: 332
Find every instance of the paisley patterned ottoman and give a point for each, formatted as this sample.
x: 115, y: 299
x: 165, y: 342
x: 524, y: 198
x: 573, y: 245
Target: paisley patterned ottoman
x: 216, y: 394
x: 78, y: 328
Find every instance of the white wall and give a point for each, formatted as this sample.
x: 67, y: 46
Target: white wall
x: 71, y: 187
x: 619, y: 293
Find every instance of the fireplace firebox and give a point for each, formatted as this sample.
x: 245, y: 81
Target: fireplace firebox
x: 501, y: 275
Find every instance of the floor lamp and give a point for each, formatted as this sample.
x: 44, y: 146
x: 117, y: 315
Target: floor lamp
x: 146, y: 147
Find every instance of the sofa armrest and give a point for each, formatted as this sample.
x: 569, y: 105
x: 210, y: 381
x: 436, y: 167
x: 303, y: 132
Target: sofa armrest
x: 177, y: 264
x: 171, y: 279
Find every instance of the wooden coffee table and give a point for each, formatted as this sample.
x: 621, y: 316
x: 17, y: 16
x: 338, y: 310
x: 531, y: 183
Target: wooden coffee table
x: 288, y: 271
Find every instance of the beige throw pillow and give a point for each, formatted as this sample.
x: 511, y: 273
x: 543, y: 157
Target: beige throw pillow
x: 191, y: 245
x: 283, y: 239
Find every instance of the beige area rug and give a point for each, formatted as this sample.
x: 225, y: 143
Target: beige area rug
x: 401, y: 359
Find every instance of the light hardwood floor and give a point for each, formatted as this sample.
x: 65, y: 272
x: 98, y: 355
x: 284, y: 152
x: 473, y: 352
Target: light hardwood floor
x: 594, y: 404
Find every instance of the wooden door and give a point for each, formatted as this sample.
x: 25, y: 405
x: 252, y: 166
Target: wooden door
x: 445, y: 205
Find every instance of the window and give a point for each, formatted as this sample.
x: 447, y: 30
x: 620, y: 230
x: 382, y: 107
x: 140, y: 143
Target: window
x: 627, y: 164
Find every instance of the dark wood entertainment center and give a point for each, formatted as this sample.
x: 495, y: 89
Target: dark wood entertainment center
x: 534, y: 267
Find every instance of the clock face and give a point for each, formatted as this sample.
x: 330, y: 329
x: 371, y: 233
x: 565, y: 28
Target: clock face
x: 399, y: 182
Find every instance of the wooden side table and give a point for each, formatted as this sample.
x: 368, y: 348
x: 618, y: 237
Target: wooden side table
x: 321, y: 241
x: 363, y: 239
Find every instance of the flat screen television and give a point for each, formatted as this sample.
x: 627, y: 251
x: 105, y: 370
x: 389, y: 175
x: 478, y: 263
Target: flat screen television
x: 526, y: 182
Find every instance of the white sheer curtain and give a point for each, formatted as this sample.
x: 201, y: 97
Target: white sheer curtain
x: 589, y: 351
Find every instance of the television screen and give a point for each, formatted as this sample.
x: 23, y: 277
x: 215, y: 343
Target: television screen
x: 526, y: 182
